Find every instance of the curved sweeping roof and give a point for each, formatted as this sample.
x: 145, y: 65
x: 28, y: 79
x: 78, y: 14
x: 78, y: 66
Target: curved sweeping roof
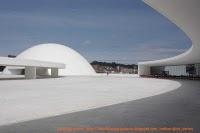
x: 185, y: 14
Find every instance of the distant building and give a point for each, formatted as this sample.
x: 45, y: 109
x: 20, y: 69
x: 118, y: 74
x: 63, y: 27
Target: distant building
x: 104, y: 67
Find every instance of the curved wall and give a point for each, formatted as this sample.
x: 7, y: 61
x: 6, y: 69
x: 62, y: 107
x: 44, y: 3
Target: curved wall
x: 185, y: 14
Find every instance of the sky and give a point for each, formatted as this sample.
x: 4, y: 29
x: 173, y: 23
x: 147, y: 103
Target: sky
x: 124, y: 31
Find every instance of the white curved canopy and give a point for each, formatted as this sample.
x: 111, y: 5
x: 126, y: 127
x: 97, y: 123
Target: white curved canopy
x: 185, y: 14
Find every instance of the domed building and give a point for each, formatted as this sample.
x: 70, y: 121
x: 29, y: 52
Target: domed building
x: 75, y: 64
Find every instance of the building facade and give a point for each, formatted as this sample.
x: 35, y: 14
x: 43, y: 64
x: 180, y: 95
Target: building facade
x: 176, y: 70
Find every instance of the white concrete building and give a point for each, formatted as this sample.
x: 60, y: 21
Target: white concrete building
x: 185, y: 14
x: 30, y: 66
x: 75, y: 64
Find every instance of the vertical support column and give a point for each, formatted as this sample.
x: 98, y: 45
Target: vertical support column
x: 54, y: 72
x: 143, y: 70
x: 30, y: 72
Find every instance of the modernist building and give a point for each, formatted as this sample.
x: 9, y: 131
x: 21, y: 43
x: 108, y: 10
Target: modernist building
x: 185, y: 14
x: 74, y: 63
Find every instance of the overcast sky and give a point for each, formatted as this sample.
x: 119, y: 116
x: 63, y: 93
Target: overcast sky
x: 124, y: 31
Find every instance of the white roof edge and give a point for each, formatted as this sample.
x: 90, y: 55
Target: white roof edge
x: 5, y: 61
x: 184, y: 13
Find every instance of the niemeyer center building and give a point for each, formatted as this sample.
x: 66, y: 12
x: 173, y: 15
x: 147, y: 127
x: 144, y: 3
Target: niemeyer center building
x: 56, y: 59
x: 47, y: 60
x: 46, y: 104
x: 185, y: 14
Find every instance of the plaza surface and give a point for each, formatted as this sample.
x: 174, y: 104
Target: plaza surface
x: 177, y: 108
x: 24, y: 100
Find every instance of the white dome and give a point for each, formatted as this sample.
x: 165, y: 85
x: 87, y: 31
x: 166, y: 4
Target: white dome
x: 75, y: 64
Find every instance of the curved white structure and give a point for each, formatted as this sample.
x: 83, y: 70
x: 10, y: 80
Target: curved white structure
x: 75, y: 64
x: 30, y: 66
x: 185, y: 14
